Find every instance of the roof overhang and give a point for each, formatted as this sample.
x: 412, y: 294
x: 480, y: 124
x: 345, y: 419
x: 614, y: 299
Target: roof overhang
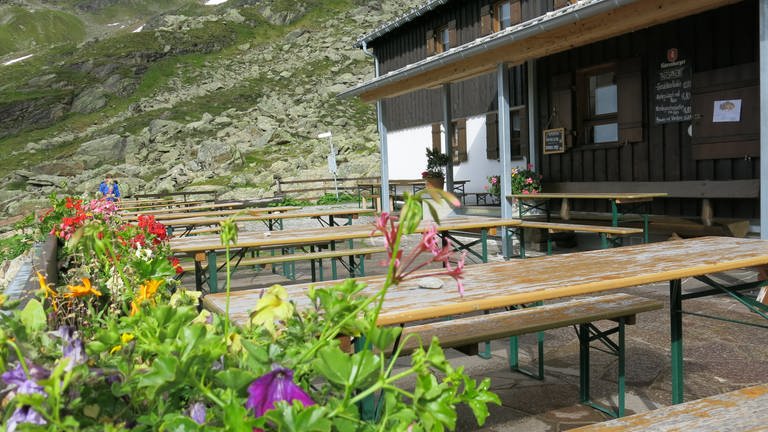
x: 576, y: 25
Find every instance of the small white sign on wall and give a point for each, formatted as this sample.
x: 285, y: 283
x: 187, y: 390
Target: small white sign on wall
x: 726, y: 111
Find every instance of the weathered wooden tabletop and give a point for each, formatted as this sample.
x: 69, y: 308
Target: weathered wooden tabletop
x: 596, y: 195
x: 261, y: 216
x: 737, y: 411
x: 204, y: 211
x: 204, y: 243
x: 495, y: 285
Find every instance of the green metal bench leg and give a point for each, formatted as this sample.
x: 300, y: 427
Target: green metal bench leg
x: 514, y: 351
x: 486, y: 353
x: 213, y: 282
x: 676, y: 333
x: 522, y: 243
x: 514, y: 361
x: 320, y: 269
x: 367, y: 406
x: 604, y: 241
x: 618, y: 349
x: 484, y: 239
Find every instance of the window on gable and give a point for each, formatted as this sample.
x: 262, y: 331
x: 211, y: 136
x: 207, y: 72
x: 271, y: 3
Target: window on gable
x: 441, y: 39
x: 506, y: 13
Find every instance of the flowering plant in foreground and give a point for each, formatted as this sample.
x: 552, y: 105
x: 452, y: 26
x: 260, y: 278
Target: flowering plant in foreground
x: 165, y: 365
x: 494, y: 185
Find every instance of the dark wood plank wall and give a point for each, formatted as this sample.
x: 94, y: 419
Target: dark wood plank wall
x: 469, y: 97
x: 712, y: 40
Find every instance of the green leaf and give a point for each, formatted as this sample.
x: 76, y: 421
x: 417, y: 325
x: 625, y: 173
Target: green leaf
x: 33, y: 317
x: 334, y: 364
x: 383, y: 337
x: 179, y: 423
x: 162, y: 370
x: 236, y: 379
x: 342, y: 369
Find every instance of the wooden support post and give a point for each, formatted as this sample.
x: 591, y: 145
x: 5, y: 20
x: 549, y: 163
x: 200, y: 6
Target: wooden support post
x: 706, y: 212
x: 565, y: 210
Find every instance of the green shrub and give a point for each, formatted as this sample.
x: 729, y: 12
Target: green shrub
x: 291, y: 201
x: 331, y: 198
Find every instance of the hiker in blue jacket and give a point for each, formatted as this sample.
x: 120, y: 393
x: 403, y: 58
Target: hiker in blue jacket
x: 109, y: 189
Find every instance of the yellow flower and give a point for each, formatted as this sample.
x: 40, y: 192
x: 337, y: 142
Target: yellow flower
x: 124, y: 338
x: 272, y: 306
x: 49, y: 292
x: 82, y: 290
x: 147, y: 290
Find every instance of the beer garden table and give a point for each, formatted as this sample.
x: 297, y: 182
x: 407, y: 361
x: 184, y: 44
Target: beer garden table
x: 620, y: 202
x: 327, y: 218
x: 210, y: 244
x: 503, y: 284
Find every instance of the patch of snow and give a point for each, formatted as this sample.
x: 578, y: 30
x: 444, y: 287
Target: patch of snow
x: 214, y: 2
x: 113, y: 24
x: 17, y: 60
x: 140, y: 28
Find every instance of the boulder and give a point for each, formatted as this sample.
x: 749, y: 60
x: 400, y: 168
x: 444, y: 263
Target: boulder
x: 102, y: 151
x: 89, y: 100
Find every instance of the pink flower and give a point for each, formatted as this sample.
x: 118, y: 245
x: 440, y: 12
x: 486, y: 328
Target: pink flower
x: 525, y: 192
x: 494, y: 180
x: 528, y: 180
x: 485, y: 187
x: 530, y: 166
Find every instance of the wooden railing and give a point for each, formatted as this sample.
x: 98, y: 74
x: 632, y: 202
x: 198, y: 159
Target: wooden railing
x: 313, y: 189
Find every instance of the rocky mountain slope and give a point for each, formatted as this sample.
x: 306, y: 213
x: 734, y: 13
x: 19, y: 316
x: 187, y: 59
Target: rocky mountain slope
x: 203, y: 96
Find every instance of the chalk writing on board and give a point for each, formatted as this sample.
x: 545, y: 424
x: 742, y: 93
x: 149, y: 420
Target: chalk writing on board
x: 554, y: 140
x: 672, y: 92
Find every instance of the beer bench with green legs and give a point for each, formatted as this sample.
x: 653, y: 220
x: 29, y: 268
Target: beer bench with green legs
x: 355, y: 263
x: 464, y: 333
x: 607, y: 233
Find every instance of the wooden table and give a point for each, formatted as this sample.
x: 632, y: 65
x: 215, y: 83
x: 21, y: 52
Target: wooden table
x: 271, y: 220
x: 621, y: 203
x: 159, y: 205
x: 740, y: 410
x: 210, y: 244
x: 167, y: 214
x: 502, y: 284
x: 415, y: 184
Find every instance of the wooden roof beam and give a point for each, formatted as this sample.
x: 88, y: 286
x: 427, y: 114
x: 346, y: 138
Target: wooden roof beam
x: 625, y: 19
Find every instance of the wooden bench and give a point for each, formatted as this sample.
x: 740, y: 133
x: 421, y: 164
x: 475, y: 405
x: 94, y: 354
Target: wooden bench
x: 740, y: 410
x: 355, y: 263
x: 466, y: 332
x: 607, y: 233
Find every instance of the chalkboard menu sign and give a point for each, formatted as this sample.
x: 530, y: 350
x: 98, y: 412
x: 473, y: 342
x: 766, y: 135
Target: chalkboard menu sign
x: 554, y: 140
x: 672, y: 93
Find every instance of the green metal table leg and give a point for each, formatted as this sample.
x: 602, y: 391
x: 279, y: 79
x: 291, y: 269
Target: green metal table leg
x: 645, y: 228
x: 584, y: 363
x: 522, y: 243
x: 333, y: 262
x: 676, y: 336
x: 213, y: 282
x: 622, y: 368
x: 484, y: 239
x: 614, y: 213
x: 603, y: 241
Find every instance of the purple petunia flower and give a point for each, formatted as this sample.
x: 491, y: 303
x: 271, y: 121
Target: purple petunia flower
x: 274, y: 387
x: 30, y: 387
x: 23, y: 415
x: 75, y: 352
x: 17, y: 377
x: 197, y: 412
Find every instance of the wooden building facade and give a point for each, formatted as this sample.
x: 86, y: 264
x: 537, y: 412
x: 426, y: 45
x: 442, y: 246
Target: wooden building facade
x: 669, y: 104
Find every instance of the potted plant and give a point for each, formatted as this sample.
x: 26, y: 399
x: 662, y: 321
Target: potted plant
x: 435, y: 173
x: 525, y: 181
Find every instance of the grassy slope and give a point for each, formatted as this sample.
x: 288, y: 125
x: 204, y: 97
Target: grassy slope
x: 254, y: 31
x: 22, y: 29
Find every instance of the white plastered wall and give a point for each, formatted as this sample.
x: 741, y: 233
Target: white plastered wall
x: 407, y: 155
